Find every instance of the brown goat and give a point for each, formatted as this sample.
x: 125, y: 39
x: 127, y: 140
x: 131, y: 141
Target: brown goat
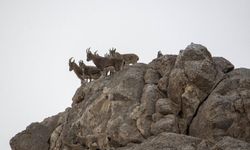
x: 78, y: 71
x: 104, y: 62
x: 128, y: 58
x: 90, y: 72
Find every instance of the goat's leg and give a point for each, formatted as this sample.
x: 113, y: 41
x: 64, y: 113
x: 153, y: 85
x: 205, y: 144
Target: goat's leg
x: 112, y: 70
x: 103, y: 73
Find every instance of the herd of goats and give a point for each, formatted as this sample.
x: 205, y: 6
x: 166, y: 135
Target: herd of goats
x: 110, y: 63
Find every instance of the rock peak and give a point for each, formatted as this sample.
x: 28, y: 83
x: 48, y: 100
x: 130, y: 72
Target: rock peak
x: 186, y: 101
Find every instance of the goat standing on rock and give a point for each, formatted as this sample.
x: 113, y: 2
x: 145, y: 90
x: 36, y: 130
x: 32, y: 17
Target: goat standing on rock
x: 90, y: 72
x: 78, y: 71
x: 84, y: 72
x: 105, y: 64
x: 128, y: 58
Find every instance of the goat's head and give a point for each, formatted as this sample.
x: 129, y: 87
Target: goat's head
x: 71, y: 64
x: 112, y: 51
x: 89, y: 54
x: 81, y: 64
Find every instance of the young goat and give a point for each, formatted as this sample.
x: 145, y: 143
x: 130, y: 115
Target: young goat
x: 105, y: 64
x: 90, y: 72
x: 128, y: 58
x: 78, y: 71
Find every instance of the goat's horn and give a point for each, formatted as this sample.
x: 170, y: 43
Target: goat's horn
x: 88, y: 50
x: 70, y: 60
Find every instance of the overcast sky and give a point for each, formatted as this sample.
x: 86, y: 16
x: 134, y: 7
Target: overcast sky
x: 37, y: 37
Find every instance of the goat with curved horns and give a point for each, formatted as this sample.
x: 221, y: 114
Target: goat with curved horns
x: 103, y: 62
x: 128, y: 58
x: 78, y: 71
x: 90, y: 72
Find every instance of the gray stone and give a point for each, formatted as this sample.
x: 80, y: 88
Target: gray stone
x: 191, y: 80
x: 227, y: 109
x: 166, y: 124
x: 35, y: 137
x: 229, y: 143
x: 163, y: 64
x: 151, y: 76
x: 157, y: 116
x: 149, y: 97
x: 165, y: 106
x: 223, y: 64
x: 163, y: 83
x: 170, y: 141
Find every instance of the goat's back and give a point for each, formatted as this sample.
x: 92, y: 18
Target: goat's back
x: 131, y: 58
x: 91, y: 70
x: 103, y: 62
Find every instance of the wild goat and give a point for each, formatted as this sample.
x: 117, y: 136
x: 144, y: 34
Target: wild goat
x: 90, y: 72
x: 105, y: 64
x: 78, y: 71
x: 128, y: 58
x: 159, y: 54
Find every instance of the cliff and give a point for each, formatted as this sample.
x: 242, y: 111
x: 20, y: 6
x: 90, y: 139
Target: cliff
x: 190, y: 101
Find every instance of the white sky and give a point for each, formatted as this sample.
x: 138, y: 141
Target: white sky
x: 37, y: 37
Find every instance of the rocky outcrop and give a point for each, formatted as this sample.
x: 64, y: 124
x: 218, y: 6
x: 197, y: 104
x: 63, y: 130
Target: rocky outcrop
x: 226, y: 112
x: 172, y: 141
x: 193, y: 77
x: 186, y: 101
x: 35, y: 137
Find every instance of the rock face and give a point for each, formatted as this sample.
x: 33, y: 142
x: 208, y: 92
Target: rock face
x: 172, y: 141
x: 35, y: 137
x: 226, y: 112
x: 187, y: 101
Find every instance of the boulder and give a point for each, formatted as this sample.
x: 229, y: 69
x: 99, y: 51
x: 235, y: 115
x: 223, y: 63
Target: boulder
x: 104, y: 119
x: 191, y: 80
x: 170, y: 141
x: 167, y: 123
x: 229, y: 143
x: 226, y: 112
x: 149, y: 97
x: 223, y: 64
x: 151, y: 76
x: 165, y: 106
x: 163, y: 64
x: 35, y: 137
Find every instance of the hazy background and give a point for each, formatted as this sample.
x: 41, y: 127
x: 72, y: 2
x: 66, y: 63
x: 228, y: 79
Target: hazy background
x: 37, y: 37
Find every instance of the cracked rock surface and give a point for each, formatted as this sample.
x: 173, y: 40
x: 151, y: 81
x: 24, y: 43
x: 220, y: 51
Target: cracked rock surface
x: 187, y: 101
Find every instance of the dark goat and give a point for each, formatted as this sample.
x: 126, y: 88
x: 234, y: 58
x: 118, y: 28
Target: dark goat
x: 128, y: 58
x: 159, y: 54
x: 90, y: 72
x: 104, y: 62
x: 78, y: 71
